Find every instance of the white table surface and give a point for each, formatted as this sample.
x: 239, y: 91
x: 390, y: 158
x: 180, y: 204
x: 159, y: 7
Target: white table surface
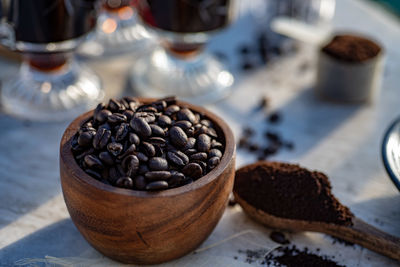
x: 340, y: 140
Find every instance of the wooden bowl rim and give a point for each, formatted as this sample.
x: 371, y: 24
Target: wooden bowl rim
x: 68, y: 159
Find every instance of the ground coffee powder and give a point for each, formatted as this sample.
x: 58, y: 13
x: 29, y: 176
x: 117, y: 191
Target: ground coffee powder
x: 290, y: 191
x: 351, y: 48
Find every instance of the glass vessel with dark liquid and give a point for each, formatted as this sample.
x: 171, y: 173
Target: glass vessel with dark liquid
x: 117, y: 31
x: 50, y: 85
x: 180, y: 66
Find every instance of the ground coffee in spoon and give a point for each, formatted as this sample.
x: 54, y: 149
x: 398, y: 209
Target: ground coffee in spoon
x: 290, y: 191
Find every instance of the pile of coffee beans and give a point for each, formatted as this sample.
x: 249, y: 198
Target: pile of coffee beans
x: 152, y: 146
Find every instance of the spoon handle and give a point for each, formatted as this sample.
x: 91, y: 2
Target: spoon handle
x: 370, y: 237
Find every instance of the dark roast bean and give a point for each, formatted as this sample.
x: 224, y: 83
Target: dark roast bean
x: 191, y: 142
x: 84, y: 153
x: 149, y: 108
x: 190, y: 151
x: 164, y: 121
x: 102, y: 116
x: 134, y: 139
x: 215, y: 153
x: 101, y: 138
x: 178, y: 158
x: 93, y: 173
x: 129, y: 151
x: 171, y: 110
x: 113, y: 175
x: 190, y: 131
x: 211, y: 132
x: 93, y: 162
x: 124, y: 182
x: 170, y: 100
x: 114, y: 105
x: 85, y: 138
x: 116, y: 118
x: 193, y: 170
x: 202, y: 164
x: 106, y: 158
x: 129, y: 114
x: 176, y: 178
x: 183, y: 124
x: 160, y: 105
x: 122, y: 132
x: 213, y: 162
x: 147, y: 149
x: 114, y: 148
x: 159, y: 141
x: 157, y: 175
x: 124, y: 103
x: 157, y: 130
x: 98, y: 108
x: 158, y: 164
x: 141, y: 127
x: 148, y: 117
x: 186, y: 114
x: 187, y: 180
x: 207, y: 123
x: 215, y: 144
x: 140, y: 182
x: 203, y: 143
x: 142, y: 157
x: 177, y: 136
x: 143, y: 169
x: 105, y: 126
x: 159, y: 151
x: 131, y: 165
x: 157, y: 185
x: 199, y: 156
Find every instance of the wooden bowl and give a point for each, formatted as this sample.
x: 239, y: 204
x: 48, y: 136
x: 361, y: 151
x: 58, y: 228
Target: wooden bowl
x: 146, y: 227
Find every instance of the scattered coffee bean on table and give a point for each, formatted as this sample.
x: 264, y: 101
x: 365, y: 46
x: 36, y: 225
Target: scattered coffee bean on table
x: 152, y: 146
x: 290, y: 191
x: 279, y: 237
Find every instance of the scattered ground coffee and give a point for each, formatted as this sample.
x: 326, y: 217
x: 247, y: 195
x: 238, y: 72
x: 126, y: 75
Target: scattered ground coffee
x: 351, y: 48
x: 147, y: 146
x: 289, y: 191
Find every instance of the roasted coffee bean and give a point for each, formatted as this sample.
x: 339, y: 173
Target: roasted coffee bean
x: 84, y: 153
x: 142, y: 157
x: 124, y: 103
x: 216, y: 144
x: 129, y: 151
x: 158, y: 164
x: 114, y: 148
x: 186, y: 114
x: 147, y: 116
x: 211, y: 132
x: 207, y: 123
x: 101, y: 138
x: 279, y: 238
x: 199, y: 156
x: 85, y: 138
x: 140, y: 182
x: 147, y: 149
x: 190, y: 131
x: 177, y: 136
x: 129, y: 114
x: 141, y: 127
x: 125, y: 182
x: 131, y: 165
x: 102, y: 116
x: 75, y: 145
x: 170, y: 100
x: 143, y: 169
x: 215, y: 153
x: 183, y: 124
x: 191, y: 142
x: 122, y: 132
x: 157, y: 185
x: 113, y: 175
x: 159, y: 141
x: 171, y: 110
x: 114, y: 105
x: 160, y: 105
x: 157, y: 175
x: 178, y: 158
x: 213, y: 162
x: 134, y: 139
x: 98, y: 108
x: 176, y: 178
x: 202, y: 164
x: 149, y: 108
x: 93, y: 173
x: 93, y: 162
x: 203, y: 143
x: 193, y: 170
x: 157, y: 130
x: 106, y: 158
x: 105, y: 126
x: 116, y: 118
x: 187, y: 180
x: 164, y: 121
x: 190, y: 151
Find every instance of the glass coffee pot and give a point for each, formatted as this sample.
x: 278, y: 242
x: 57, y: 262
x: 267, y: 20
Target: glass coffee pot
x: 180, y: 66
x: 50, y: 84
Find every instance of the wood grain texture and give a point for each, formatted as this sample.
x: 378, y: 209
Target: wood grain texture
x: 146, y: 227
x: 360, y: 233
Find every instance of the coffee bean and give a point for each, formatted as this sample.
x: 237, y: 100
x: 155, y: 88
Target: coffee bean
x: 170, y: 100
x: 211, y: 132
x: 191, y: 142
x: 157, y: 130
x: 105, y: 126
x: 158, y: 164
x: 202, y: 164
x: 98, y: 108
x: 142, y: 157
x: 216, y: 144
x: 215, y: 153
x: 113, y: 175
x: 101, y: 138
x: 183, y: 124
x: 116, y: 118
x: 171, y: 110
x: 177, y: 158
x: 213, y: 162
x: 147, y: 116
x: 131, y: 164
x: 164, y: 121
x: 157, y: 185
x: 134, y: 139
x: 190, y: 151
x: 279, y: 238
x: 149, y: 108
x: 129, y: 151
x: 114, y: 148
x: 140, y: 182
x: 93, y: 162
x: 157, y: 175
x: 122, y: 132
x: 106, y: 158
x: 207, y: 123
x: 85, y: 138
x: 187, y: 180
x: 128, y: 114
x: 193, y: 170
x: 141, y: 127
x: 125, y: 182
x: 147, y: 149
x: 186, y: 114
x: 159, y: 141
x: 177, y: 136
x: 93, y: 173
x: 143, y: 169
x: 160, y: 105
x: 203, y: 143
x: 176, y: 178
x: 102, y: 116
x: 84, y: 153
x: 199, y: 156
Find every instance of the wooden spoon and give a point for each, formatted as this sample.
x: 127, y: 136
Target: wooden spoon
x: 360, y: 232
